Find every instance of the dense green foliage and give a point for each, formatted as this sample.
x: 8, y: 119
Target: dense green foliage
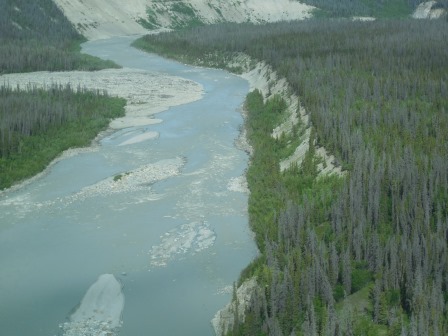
x: 366, y: 254
x: 35, y: 35
x: 36, y: 125
x: 375, y: 8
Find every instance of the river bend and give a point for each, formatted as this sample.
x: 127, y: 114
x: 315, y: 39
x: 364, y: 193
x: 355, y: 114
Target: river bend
x: 161, y: 207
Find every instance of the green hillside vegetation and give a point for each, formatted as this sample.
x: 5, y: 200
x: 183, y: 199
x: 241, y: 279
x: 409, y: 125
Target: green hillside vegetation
x: 375, y: 8
x: 35, y: 36
x: 36, y: 125
x: 363, y: 254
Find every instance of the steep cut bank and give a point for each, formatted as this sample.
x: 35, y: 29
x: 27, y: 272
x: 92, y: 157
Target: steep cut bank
x: 98, y: 19
x: 328, y: 246
x: 429, y: 10
x: 263, y: 78
x: 294, y: 120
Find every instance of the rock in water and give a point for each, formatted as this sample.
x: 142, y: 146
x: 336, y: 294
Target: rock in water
x: 100, y: 310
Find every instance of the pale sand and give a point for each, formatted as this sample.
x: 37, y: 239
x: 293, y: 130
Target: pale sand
x: 100, y: 310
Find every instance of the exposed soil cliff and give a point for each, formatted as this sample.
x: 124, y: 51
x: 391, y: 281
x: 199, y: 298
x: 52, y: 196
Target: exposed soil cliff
x: 429, y: 10
x: 97, y: 19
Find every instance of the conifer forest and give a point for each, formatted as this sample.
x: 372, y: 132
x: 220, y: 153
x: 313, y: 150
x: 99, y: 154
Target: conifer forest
x: 364, y: 253
x: 36, y: 125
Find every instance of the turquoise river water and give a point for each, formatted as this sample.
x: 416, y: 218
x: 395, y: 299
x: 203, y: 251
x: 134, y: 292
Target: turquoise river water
x: 176, y: 245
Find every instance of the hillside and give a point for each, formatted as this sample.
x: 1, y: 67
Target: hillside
x: 364, y: 252
x: 360, y: 252
x: 36, y: 36
x: 98, y: 19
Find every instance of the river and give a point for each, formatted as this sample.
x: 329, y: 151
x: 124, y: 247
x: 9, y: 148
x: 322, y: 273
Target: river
x: 172, y: 227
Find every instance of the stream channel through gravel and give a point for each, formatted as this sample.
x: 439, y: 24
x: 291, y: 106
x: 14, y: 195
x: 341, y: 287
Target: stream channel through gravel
x: 171, y: 231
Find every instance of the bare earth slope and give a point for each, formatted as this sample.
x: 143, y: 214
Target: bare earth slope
x: 428, y: 10
x: 97, y: 19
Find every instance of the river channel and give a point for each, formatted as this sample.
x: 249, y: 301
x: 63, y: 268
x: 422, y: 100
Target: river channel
x: 174, y: 232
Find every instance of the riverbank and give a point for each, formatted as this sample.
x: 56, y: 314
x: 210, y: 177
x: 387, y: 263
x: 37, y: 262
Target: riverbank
x: 263, y: 78
x: 184, y: 237
x: 37, y: 124
x: 146, y: 93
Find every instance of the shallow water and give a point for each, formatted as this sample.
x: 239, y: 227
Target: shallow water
x: 173, y: 229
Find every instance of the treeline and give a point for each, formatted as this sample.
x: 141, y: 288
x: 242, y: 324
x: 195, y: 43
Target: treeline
x: 35, y: 35
x: 36, y: 125
x: 348, y: 8
x: 377, y: 9
x: 366, y: 254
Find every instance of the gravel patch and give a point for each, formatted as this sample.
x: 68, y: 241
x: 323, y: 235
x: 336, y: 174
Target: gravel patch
x: 188, y: 238
x: 134, y: 180
x: 100, y: 310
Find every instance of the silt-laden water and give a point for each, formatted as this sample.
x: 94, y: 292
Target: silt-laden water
x: 173, y: 229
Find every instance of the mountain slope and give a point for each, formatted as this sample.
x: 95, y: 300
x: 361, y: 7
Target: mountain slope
x: 98, y: 19
x: 35, y: 35
x: 105, y: 18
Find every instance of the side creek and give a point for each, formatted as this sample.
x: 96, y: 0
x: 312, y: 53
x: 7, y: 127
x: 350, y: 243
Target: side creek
x: 162, y: 207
